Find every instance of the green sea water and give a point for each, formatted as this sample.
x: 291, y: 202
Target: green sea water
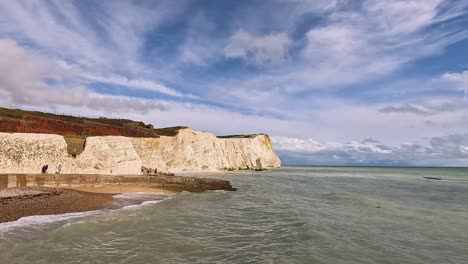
x: 289, y: 215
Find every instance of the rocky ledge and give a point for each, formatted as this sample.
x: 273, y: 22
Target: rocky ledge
x: 191, y: 184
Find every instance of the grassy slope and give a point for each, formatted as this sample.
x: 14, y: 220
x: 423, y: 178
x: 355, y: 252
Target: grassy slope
x: 168, y: 131
x: 75, y: 144
x: 18, y: 114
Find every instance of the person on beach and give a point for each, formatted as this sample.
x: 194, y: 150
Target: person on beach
x: 44, y: 169
x: 59, y: 169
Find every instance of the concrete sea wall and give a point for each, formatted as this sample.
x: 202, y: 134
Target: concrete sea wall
x: 114, y: 183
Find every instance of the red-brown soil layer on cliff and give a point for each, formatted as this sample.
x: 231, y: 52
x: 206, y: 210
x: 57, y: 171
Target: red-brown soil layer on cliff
x: 21, y: 121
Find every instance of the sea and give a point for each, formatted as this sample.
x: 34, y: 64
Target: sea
x: 295, y: 214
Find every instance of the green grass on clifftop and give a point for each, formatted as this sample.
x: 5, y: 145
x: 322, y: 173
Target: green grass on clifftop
x: 18, y: 114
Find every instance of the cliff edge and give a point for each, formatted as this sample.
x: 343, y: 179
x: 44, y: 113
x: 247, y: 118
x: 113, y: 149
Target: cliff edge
x: 184, y: 151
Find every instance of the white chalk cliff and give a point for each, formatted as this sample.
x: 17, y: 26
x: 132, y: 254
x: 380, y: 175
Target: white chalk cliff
x: 188, y: 151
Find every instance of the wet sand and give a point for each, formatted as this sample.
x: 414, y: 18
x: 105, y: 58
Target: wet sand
x: 28, y: 201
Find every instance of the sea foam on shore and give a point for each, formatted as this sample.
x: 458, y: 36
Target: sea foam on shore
x: 40, y: 224
x: 21, y: 203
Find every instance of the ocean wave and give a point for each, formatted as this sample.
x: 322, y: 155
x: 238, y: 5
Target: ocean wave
x: 40, y: 222
x: 140, y: 196
x: 144, y: 203
x: 121, y: 202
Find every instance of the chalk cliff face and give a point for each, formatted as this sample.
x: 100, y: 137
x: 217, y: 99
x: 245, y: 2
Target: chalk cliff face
x: 188, y: 151
x: 201, y: 151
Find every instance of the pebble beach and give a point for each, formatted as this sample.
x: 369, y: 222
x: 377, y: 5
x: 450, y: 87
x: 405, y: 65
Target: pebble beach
x: 27, y: 201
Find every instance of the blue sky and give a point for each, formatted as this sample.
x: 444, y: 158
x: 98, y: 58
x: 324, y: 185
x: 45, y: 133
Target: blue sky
x: 332, y: 82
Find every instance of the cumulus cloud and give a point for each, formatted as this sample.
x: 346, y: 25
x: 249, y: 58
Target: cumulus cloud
x: 106, y: 40
x: 347, y: 49
x: 27, y: 78
x: 448, y: 150
x: 310, y: 146
x: 23, y: 74
x: 271, y: 48
x: 358, y: 43
x: 457, y: 77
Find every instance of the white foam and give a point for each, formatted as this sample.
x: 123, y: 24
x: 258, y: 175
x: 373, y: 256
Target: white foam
x: 219, y: 191
x: 40, y: 221
x: 138, y: 196
x: 145, y: 203
x: 152, y: 202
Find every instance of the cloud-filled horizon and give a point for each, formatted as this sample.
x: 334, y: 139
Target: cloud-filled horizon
x: 341, y: 82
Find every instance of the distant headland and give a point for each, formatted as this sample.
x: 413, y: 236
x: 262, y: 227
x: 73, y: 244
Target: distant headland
x: 29, y: 140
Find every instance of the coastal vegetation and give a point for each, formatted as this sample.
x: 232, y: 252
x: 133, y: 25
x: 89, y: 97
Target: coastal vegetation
x: 75, y: 144
x: 19, y: 113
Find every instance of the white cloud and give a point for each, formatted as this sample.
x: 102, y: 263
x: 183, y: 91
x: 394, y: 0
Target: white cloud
x: 402, y: 16
x: 336, y: 41
x: 141, y: 84
x: 310, y: 145
x: 62, y: 35
x: 297, y: 144
x: 23, y: 74
x: 448, y: 150
x: 459, y: 78
x: 26, y: 77
x: 341, y: 54
x: 314, y: 6
x: 200, y: 47
x: 358, y: 43
x: 428, y: 107
x: 106, y: 39
x: 122, y: 104
x: 74, y: 48
x: 272, y: 48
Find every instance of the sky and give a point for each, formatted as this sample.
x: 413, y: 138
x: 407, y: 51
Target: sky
x: 333, y: 82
